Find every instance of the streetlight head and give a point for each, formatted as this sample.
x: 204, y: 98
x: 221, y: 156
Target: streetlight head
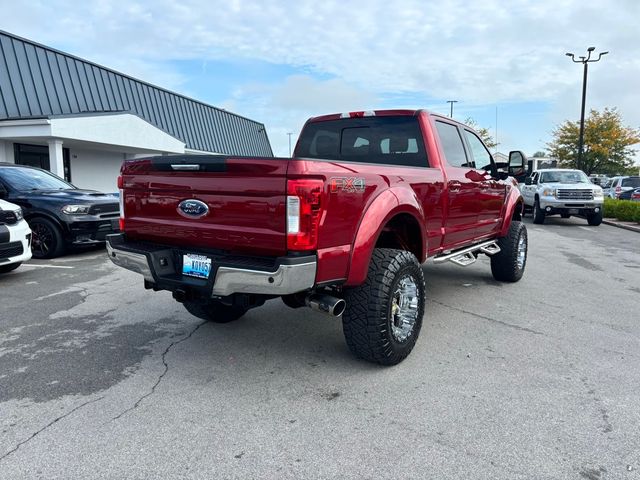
x: 569, y: 54
x: 603, y: 53
x: 591, y: 49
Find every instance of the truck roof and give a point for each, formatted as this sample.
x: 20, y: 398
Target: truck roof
x: 381, y: 113
x: 364, y: 113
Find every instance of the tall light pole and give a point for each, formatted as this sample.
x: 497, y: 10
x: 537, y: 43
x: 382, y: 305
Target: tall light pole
x: 289, y: 134
x: 451, y: 102
x: 585, y: 61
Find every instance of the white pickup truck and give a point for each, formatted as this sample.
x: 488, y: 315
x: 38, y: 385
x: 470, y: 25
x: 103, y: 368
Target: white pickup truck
x: 565, y: 192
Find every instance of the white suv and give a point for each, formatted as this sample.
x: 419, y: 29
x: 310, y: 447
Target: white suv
x: 15, y: 237
x: 562, y: 191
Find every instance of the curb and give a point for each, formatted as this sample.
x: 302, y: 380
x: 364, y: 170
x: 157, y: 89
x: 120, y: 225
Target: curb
x: 626, y: 226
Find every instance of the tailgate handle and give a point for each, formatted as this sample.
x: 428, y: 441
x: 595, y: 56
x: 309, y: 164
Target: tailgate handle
x: 185, y: 166
x: 190, y: 163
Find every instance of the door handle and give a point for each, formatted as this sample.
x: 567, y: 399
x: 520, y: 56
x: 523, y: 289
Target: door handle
x: 454, y: 186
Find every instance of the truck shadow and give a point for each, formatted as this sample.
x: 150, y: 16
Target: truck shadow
x: 274, y: 338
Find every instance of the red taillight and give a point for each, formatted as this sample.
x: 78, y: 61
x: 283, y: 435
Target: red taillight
x: 635, y: 195
x: 304, y: 209
x: 121, y: 202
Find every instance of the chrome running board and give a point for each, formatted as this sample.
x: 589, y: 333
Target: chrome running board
x: 465, y: 256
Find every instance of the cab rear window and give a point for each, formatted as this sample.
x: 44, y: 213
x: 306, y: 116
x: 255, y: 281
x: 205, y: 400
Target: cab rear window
x: 382, y: 140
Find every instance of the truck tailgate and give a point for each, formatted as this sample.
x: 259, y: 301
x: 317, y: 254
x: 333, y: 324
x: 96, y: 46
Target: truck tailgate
x: 244, y: 198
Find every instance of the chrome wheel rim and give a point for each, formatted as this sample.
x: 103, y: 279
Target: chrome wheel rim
x: 522, y: 252
x: 404, y: 308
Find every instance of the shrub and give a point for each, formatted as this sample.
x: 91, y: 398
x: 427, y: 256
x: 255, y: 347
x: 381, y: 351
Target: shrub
x: 623, y: 210
x: 627, y: 210
x: 610, y: 207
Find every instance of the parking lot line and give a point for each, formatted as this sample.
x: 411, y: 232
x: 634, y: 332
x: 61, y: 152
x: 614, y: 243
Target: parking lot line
x: 45, y: 266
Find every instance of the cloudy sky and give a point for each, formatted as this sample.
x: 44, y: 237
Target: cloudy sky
x: 280, y: 62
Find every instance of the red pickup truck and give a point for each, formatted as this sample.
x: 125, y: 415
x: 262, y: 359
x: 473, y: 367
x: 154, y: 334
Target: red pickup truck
x: 342, y: 227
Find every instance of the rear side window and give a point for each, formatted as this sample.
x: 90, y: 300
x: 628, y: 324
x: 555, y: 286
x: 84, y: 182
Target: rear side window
x: 383, y: 140
x: 631, y: 182
x: 452, y: 144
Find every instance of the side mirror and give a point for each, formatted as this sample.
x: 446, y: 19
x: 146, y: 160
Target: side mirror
x: 517, y: 162
x: 527, y: 181
x: 3, y: 191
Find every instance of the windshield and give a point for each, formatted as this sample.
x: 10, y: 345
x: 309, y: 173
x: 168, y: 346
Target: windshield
x: 571, y: 176
x: 25, y: 179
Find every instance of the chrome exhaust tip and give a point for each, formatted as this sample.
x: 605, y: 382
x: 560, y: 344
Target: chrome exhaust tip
x: 326, y: 304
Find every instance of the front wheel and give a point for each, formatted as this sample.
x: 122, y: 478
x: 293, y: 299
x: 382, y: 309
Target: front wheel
x: 383, y: 317
x: 508, y: 264
x: 214, y: 311
x: 538, y: 213
x: 46, y: 240
x: 595, y: 219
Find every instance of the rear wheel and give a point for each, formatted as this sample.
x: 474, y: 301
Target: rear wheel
x: 9, y: 268
x: 214, y: 311
x: 46, y: 240
x: 383, y: 317
x: 538, y: 213
x: 595, y: 219
x: 508, y: 265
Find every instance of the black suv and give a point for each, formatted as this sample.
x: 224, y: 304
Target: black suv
x: 58, y: 213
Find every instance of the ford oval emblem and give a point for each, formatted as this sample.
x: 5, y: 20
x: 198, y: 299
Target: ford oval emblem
x: 193, y: 208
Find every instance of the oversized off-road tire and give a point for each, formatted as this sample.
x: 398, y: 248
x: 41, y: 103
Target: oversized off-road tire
x: 9, y: 268
x: 383, y: 317
x: 508, y: 265
x: 538, y: 213
x: 46, y: 238
x: 214, y: 311
x: 595, y: 219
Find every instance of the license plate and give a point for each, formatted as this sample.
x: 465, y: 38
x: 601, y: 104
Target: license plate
x: 573, y: 211
x: 196, y: 265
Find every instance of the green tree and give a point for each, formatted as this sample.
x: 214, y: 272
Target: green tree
x: 539, y: 154
x: 607, y: 143
x: 484, y: 133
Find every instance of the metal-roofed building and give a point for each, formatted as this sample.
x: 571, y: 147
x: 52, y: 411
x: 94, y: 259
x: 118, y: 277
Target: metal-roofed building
x: 81, y: 120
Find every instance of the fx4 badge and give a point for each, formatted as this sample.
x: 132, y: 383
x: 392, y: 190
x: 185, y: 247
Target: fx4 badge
x: 346, y: 184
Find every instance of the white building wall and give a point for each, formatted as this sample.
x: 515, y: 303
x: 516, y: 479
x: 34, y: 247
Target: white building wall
x: 6, y: 152
x: 95, y: 169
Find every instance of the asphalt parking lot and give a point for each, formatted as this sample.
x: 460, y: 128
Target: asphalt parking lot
x: 535, y: 380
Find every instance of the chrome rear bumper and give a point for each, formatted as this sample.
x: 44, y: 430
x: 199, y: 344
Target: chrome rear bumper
x: 157, y: 265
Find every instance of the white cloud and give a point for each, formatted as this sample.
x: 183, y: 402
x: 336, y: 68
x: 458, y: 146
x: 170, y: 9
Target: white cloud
x: 480, y: 53
x: 285, y: 106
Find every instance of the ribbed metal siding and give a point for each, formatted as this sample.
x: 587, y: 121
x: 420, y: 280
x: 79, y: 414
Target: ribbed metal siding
x: 39, y: 81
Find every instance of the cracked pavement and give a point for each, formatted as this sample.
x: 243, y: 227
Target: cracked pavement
x: 100, y: 378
